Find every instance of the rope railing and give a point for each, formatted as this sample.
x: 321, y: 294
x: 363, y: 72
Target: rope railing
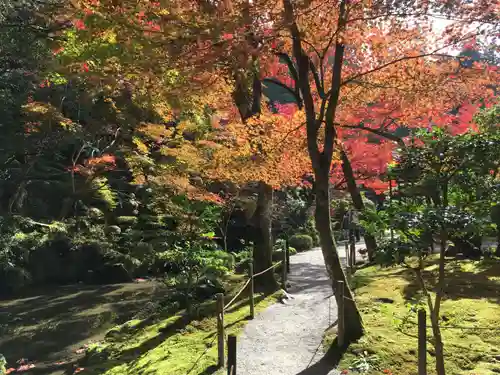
x: 237, y: 295
x: 222, y: 308
x: 248, y: 282
x: 273, y: 266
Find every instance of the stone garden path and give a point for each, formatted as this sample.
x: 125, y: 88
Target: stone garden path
x: 285, y: 339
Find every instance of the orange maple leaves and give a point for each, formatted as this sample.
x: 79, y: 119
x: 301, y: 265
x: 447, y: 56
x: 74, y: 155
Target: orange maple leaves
x: 397, y: 72
x: 269, y: 148
x: 103, y: 163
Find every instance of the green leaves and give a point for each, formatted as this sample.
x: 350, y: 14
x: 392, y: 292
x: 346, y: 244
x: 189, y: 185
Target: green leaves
x: 447, y: 185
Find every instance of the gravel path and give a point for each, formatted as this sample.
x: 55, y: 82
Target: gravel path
x: 285, y: 339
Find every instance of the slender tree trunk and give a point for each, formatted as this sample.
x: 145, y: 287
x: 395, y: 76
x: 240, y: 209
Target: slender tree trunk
x: 321, y: 160
x: 438, y: 345
x: 353, y: 321
x: 263, y: 246
x: 438, y: 341
x: 495, y: 218
x: 434, y: 316
x: 497, y: 251
x: 370, y: 241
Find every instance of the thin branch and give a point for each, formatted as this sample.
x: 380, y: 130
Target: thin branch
x: 378, y: 132
x: 404, y: 58
x: 317, y: 81
x: 287, y: 135
x: 333, y: 100
x: 293, y: 72
x: 287, y: 88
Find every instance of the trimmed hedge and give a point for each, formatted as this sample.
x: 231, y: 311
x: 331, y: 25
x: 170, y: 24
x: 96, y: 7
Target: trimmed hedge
x: 301, y: 242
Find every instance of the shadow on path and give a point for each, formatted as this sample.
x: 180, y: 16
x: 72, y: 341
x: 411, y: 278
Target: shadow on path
x: 327, y: 363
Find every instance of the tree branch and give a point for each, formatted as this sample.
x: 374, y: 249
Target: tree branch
x: 287, y: 88
x: 378, y: 132
x: 303, y: 82
x: 331, y: 109
x: 404, y: 58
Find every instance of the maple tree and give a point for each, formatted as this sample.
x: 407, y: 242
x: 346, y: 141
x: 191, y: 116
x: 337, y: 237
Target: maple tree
x: 339, y: 56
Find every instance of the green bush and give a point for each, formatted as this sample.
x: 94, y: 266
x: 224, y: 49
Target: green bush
x: 277, y: 255
x: 301, y: 242
x: 292, y: 250
x: 310, y: 230
x: 13, y: 279
x: 127, y: 220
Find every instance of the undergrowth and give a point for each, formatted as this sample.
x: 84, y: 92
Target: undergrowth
x: 177, y: 345
x: 389, y: 298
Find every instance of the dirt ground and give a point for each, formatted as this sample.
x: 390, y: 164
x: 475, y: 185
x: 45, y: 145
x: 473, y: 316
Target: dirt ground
x: 48, y: 327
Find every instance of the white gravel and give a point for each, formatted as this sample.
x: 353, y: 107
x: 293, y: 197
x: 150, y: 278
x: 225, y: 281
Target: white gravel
x: 285, y: 339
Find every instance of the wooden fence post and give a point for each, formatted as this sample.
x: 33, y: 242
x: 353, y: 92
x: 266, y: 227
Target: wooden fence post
x: 347, y: 253
x: 283, y: 271
x: 422, y: 342
x: 251, y: 299
x: 287, y: 250
x: 340, y: 303
x: 352, y: 256
x: 231, y: 355
x: 220, y: 328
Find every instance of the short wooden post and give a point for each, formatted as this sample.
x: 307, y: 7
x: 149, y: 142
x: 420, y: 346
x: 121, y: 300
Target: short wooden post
x: 352, y: 256
x: 340, y: 303
x: 422, y: 342
x: 347, y: 252
x: 283, y: 271
x: 231, y: 355
x: 287, y: 249
x: 251, y: 299
x: 220, y: 328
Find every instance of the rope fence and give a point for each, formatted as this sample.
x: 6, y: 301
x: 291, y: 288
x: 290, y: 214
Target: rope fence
x: 221, y: 307
x: 237, y: 295
x: 273, y: 266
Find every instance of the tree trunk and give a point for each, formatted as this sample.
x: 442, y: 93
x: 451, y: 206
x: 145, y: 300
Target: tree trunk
x: 438, y: 343
x: 434, y: 316
x: 497, y: 251
x: 321, y: 160
x: 353, y: 321
x: 263, y: 245
x: 495, y: 218
x: 357, y: 201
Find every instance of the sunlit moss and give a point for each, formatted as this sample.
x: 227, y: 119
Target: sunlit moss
x: 472, y: 300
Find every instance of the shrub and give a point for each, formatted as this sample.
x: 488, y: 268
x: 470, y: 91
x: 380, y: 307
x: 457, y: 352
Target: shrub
x: 127, y: 220
x: 13, y: 279
x: 301, y: 242
x: 292, y: 250
x: 279, y: 244
x: 310, y: 230
x: 277, y: 255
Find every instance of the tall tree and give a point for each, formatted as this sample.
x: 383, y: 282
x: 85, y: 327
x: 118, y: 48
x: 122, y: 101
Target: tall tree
x: 394, y: 46
x: 340, y: 55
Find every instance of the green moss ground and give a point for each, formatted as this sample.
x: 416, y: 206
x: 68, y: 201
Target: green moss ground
x: 472, y: 300
x: 173, y: 346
